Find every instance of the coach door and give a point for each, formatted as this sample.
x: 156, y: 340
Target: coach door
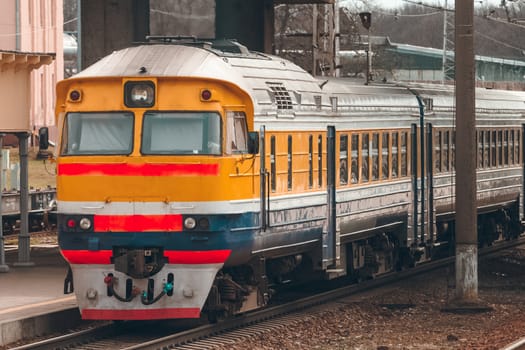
x: 331, y: 238
x: 423, y: 213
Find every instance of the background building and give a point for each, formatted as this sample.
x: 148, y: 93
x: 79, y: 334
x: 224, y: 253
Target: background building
x: 35, y: 26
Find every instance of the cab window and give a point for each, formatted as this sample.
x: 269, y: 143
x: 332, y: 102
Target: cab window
x: 181, y: 133
x: 236, y: 133
x: 97, y: 133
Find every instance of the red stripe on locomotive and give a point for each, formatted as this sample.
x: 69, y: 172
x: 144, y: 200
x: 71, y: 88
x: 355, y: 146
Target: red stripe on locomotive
x: 137, y: 223
x: 174, y: 256
x: 98, y: 314
x: 123, y: 169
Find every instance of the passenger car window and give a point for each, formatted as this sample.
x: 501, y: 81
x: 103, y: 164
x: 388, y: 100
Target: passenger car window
x: 355, y: 159
x: 365, y: 154
x: 343, y: 159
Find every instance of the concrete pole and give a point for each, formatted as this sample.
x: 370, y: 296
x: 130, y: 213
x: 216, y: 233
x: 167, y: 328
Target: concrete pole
x: 3, y: 266
x: 24, y: 247
x: 80, y: 42
x: 466, y: 215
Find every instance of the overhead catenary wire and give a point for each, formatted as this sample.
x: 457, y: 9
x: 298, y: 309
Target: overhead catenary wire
x: 441, y: 9
x: 38, y: 30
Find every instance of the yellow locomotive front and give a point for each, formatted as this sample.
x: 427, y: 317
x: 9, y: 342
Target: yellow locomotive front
x: 155, y: 171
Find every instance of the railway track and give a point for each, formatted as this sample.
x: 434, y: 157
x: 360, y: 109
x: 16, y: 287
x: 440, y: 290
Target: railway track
x: 518, y: 345
x: 168, y: 334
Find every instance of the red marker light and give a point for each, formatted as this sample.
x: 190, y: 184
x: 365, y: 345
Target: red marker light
x: 71, y: 223
x: 74, y: 95
x: 205, y: 95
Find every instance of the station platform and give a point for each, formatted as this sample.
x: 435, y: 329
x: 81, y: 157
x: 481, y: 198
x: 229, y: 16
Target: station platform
x: 32, y: 299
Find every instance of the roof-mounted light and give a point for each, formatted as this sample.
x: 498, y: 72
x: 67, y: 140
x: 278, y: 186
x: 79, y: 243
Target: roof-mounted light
x: 139, y: 94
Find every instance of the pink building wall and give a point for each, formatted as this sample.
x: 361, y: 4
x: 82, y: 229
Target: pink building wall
x: 8, y: 25
x: 40, y: 27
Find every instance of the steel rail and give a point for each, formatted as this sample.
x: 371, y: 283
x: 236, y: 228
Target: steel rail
x: 208, y: 331
x: 245, y: 324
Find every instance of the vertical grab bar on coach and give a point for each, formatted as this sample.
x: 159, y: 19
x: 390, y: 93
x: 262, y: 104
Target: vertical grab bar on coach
x: 413, y: 157
x: 262, y: 177
x: 430, y: 187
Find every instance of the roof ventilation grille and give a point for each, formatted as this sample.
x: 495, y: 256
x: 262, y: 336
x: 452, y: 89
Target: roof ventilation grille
x: 281, y: 96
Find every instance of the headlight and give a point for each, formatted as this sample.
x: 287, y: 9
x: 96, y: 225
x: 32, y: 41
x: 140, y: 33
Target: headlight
x: 139, y: 94
x: 85, y: 224
x: 190, y: 223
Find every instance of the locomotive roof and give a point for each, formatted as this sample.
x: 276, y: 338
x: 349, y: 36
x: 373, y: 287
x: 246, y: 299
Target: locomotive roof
x: 279, y: 86
x: 262, y: 76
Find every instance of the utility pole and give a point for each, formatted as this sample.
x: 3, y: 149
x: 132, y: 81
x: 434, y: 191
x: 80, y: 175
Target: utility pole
x: 366, y: 20
x: 325, y: 37
x: 466, y: 297
x: 448, y: 44
x: 447, y: 65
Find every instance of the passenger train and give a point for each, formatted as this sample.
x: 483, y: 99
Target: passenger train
x: 193, y: 177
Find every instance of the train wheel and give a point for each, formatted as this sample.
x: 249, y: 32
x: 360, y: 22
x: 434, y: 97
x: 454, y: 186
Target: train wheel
x: 216, y: 316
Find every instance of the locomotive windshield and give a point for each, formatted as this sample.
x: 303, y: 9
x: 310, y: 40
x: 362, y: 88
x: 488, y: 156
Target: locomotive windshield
x: 98, y: 133
x: 181, y: 133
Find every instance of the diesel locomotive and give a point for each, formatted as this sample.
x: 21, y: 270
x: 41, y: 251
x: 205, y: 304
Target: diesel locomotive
x: 193, y: 177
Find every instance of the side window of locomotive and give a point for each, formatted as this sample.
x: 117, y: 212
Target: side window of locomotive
x: 445, y: 158
x: 395, y: 154
x: 375, y: 156
x: 493, y: 144
x: 310, y: 161
x: 365, y: 156
x: 515, y: 146
x: 505, y: 147
x: 511, y: 147
x: 385, y: 164
x: 479, y: 142
x: 181, y: 133
x: 343, y: 159
x: 404, y: 154
x: 355, y: 158
x: 500, y: 147
x: 453, y: 150
x: 273, y: 168
x: 290, y: 162
x: 437, y: 151
x: 237, y: 131
x: 97, y: 133
x: 486, y: 149
x: 320, y: 160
